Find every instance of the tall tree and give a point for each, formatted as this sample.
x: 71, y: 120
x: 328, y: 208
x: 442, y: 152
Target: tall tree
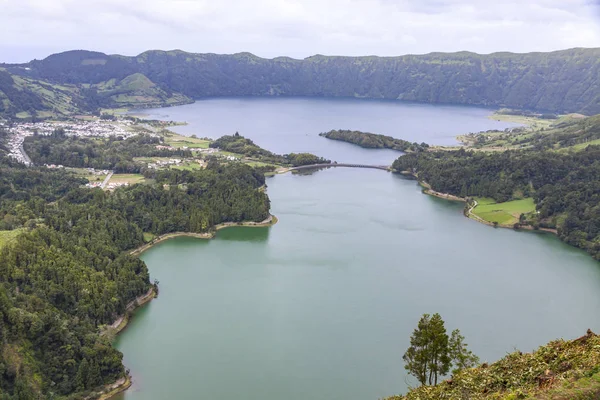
x: 432, y: 353
x: 462, y: 357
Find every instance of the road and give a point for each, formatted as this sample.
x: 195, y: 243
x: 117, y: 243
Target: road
x: 103, y: 184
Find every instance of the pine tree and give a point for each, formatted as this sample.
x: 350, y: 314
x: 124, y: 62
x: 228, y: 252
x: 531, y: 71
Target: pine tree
x: 462, y: 358
x: 432, y: 353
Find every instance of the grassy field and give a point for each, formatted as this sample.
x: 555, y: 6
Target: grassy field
x: 506, y: 213
x: 84, y: 173
x: 260, y: 164
x: 6, y: 237
x: 126, y: 178
x: 582, y: 146
x: 175, y: 140
x: 524, y: 137
x: 148, y: 236
x: 189, y: 166
x: 533, y: 122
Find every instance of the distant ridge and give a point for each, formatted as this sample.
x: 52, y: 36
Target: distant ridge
x: 559, y: 81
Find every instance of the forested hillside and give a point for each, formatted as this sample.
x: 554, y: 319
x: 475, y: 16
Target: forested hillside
x: 561, y: 81
x: 69, y: 272
x: 564, y: 185
x: 373, y: 140
x: 241, y: 145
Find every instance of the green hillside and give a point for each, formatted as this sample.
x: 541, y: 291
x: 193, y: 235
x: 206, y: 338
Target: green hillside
x: 564, y: 134
x: 561, y: 81
x: 25, y: 97
x: 561, y: 370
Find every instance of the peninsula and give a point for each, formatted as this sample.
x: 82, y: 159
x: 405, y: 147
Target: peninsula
x: 374, y: 141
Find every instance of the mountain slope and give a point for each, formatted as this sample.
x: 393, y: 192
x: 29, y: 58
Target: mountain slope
x: 561, y: 81
x: 24, y: 96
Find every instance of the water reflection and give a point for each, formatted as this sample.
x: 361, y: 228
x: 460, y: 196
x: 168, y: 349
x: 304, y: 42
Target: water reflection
x: 244, y: 234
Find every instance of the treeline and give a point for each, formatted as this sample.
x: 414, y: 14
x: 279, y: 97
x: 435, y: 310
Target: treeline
x: 80, y: 152
x: 241, y: 145
x: 373, y: 140
x: 70, y: 270
x: 565, y: 186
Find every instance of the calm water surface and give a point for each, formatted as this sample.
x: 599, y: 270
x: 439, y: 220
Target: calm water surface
x: 321, y: 306
x: 286, y: 125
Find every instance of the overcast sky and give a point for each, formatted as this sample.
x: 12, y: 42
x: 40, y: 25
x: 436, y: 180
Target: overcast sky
x: 297, y: 28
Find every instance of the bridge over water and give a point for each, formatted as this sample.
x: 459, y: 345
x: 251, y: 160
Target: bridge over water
x: 382, y: 167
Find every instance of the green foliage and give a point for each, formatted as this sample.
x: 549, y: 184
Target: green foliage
x: 559, y: 370
x: 241, y: 145
x: 571, y: 134
x: 112, y: 153
x: 374, y: 141
x: 70, y: 271
x: 564, y: 186
x: 22, y: 94
x: 432, y: 352
x: 461, y: 356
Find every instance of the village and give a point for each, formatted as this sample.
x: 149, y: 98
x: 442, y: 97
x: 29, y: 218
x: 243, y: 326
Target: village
x: 96, y: 128
x: 123, y: 128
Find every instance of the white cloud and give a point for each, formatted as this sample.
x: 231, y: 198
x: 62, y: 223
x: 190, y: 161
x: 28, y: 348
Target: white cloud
x: 298, y: 28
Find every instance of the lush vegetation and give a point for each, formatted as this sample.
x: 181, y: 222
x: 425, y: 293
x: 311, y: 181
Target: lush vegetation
x: 565, y: 133
x: 65, y: 268
x: 32, y: 98
x: 507, y: 213
x: 113, y: 153
x: 432, y: 352
x: 241, y: 145
x: 560, y: 370
x: 374, y: 141
x: 562, y: 81
x: 564, y: 185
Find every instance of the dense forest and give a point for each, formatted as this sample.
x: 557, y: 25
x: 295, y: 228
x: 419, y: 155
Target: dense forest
x: 241, y: 145
x: 561, y: 81
x: 70, y: 272
x: 564, y: 185
x: 112, y: 153
x: 373, y: 140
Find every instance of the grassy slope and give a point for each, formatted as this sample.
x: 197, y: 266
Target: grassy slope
x: 559, y: 370
x: 137, y: 90
x: 506, y: 213
x: 569, y: 132
x: 56, y: 100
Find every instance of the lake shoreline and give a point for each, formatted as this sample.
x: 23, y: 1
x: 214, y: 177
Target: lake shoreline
x: 469, y: 214
x: 119, y: 325
x: 270, y: 221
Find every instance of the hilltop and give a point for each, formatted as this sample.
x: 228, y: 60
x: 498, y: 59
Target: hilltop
x: 560, y: 81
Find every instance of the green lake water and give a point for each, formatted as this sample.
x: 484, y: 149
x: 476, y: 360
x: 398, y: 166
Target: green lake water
x: 321, y: 305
